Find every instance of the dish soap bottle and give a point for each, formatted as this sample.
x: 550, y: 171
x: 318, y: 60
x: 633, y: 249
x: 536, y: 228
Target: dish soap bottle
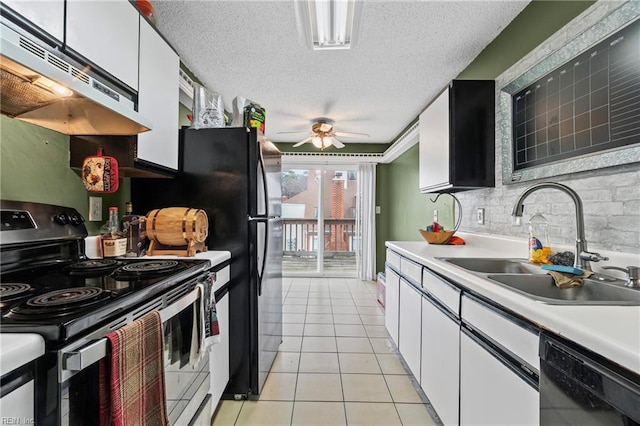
x: 539, y: 239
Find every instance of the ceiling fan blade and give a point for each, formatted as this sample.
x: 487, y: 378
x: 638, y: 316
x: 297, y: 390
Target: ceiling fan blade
x: 337, y: 143
x: 352, y: 135
x: 302, y: 142
x: 325, y: 127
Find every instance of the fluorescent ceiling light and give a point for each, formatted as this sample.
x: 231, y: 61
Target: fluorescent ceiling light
x: 329, y: 24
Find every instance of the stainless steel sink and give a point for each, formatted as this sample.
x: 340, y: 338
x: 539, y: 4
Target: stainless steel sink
x: 542, y: 289
x: 534, y: 282
x: 494, y: 265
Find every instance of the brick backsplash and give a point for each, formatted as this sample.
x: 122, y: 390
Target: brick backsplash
x: 611, y: 199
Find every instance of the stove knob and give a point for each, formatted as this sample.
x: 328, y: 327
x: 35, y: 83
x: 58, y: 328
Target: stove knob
x: 76, y: 219
x: 61, y: 218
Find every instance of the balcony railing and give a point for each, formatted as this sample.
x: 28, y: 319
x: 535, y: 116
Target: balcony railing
x: 301, y: 236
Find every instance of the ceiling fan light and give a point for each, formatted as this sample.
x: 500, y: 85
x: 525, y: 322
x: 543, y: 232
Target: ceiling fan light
x: 316, y: 141
x: 327, y: 141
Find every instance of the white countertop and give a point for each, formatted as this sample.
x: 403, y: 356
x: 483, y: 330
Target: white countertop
x: 612, y: 331
x: 17, y: 349
x: 216, y: 257
x: 92, y: 246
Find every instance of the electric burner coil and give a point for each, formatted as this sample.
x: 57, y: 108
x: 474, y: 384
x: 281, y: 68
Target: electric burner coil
x: 146, y: 269
x: 10, y: 291
x: 60, y: 302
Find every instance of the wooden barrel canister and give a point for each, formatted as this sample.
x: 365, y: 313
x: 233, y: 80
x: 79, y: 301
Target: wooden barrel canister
x: 177, y: 226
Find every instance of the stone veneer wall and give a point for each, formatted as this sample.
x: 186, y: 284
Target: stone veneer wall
x: 611, y: 196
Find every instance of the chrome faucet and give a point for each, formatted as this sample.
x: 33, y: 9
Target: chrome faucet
x: 633, y: 274
x: 583, y: 256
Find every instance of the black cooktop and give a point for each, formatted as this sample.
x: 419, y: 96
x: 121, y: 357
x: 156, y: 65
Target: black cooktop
x: 63, y: 300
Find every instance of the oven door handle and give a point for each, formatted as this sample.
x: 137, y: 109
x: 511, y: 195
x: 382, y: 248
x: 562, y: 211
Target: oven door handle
x: 81, y: 358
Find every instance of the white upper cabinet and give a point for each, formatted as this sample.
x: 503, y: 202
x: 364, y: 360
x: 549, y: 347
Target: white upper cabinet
x: 158, y: 98
x: 457, y: 138
x: 106, y: 33
x: 434, y: 143
x: 47, y: 15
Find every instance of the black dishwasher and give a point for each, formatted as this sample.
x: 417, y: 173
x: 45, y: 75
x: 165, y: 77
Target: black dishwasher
x: 578, y: 387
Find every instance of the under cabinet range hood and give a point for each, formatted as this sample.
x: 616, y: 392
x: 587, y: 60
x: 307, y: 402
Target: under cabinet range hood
x: 39, y: 86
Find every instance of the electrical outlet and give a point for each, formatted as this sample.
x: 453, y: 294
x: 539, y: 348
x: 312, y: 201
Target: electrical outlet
x: 480, y: 216
x: 435, y: 215
x: 95, y: 209
x: 377, y: 209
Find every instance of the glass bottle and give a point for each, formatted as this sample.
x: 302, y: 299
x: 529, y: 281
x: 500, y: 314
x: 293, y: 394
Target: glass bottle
x: 539, y: 239
x: 132, y: 227
x: 113, y: 241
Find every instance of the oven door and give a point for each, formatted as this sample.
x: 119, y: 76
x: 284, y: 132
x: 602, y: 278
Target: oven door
x: 187, y: 383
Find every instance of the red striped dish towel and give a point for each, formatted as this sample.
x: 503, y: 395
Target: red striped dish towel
x: 132, y: 388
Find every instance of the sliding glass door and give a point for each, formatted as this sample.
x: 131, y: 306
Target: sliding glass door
x: 319, y: 217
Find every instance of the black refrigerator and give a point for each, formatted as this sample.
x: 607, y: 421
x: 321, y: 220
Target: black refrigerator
x: 234, y: 175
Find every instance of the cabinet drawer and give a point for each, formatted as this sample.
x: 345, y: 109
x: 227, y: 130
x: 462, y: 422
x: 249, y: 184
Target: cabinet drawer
x: 446, y: 293
x: 393, y: 259
x: 411, y: 270
x: 502, y: 330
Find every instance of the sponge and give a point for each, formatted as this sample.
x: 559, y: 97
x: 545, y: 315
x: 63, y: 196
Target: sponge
x: 565, y: 269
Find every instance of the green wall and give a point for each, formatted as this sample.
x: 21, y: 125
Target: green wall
x: 403, y: 208
x: 34, y: 166
x: 536, y: 23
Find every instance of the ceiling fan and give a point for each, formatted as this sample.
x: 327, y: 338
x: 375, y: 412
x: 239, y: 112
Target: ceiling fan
x: 323, y: 135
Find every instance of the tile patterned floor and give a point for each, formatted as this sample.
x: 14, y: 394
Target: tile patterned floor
x: 336, y: 365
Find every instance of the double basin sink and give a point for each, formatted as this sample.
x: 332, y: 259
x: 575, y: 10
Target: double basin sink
x: 534, y: 282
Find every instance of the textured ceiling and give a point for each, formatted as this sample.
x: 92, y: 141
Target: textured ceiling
x: 407, y: 51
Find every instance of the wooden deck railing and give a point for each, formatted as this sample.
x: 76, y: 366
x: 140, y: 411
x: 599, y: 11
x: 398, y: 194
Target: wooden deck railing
x: 301, y: 236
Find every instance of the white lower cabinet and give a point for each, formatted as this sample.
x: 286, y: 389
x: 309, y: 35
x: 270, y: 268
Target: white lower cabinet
x: 443, y: 334
x: 219, y: 355
x: 490, y: 392
x: 440, y: 372
x: 409, y: 333
x: 392, y: 300
x: 18, y: 405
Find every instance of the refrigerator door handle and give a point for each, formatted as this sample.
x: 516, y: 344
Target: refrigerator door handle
x: 264, y: 256
x: 262, y: 220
